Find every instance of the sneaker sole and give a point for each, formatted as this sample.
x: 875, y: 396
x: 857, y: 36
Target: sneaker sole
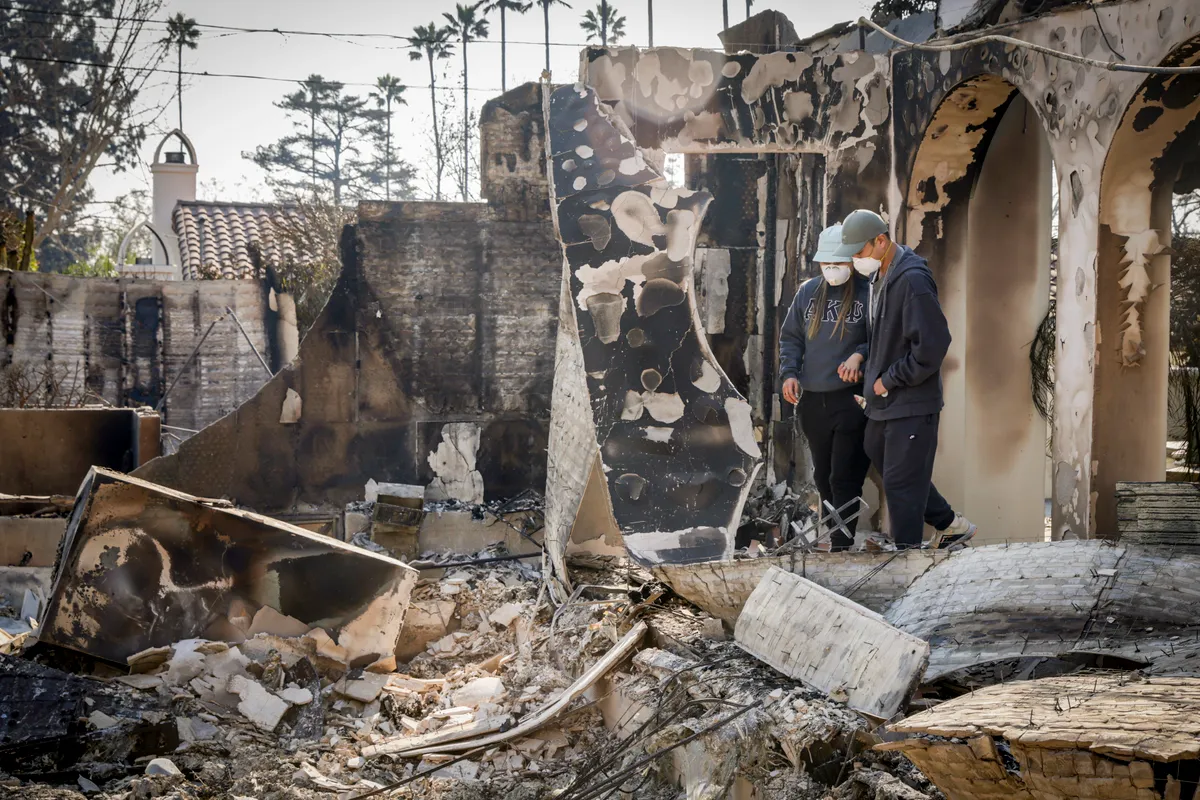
x: 960, y: 541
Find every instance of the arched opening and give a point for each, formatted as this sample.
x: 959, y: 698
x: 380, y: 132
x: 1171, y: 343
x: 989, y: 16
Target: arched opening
x: 978, y: 207
x: 1153, y: 155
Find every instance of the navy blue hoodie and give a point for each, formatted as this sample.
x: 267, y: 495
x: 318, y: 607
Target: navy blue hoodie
x: 909, y: 340
x: 814, y: 361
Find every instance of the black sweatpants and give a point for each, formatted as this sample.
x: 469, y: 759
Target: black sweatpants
x: 834, y: 425
x: 903, y: 451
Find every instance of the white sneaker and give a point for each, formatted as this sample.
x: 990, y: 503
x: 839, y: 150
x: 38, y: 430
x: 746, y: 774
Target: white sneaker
x: 956, y: 536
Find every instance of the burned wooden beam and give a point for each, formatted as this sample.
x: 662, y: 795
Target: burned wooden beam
x: 1077, y: 737
x: 145, y: 566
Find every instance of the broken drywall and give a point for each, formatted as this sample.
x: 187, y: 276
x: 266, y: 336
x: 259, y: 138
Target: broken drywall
x: 676, y: 441
x: 833, y: 644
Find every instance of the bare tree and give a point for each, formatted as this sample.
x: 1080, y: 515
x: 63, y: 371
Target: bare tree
x: 314, y: 234
x: 66, y: 105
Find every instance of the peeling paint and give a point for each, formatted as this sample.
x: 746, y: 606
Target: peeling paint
x: 453, y: 462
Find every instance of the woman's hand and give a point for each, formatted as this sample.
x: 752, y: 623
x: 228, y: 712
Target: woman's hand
x: 791, y: 391
x: 850, y: 370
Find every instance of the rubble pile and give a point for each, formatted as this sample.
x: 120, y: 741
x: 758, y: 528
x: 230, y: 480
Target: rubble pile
x: 503, y: 696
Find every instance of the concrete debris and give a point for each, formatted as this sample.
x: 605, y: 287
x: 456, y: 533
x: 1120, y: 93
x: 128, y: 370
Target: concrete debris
x: 830, y: 643
x: 162, y: 766
x: 145, y: 566
x: 257, y: 704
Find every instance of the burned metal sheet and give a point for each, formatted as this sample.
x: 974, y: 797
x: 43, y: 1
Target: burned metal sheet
x: 676, y: 440
x: 144, y: 566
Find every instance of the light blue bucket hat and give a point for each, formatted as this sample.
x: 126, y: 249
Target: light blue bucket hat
x: 827, y: 243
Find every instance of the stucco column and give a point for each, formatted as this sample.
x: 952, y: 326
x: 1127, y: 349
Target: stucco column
x: 1075, y: 352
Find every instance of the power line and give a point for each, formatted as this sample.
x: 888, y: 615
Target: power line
x: 410, y: 40
x: 1113, y: 66
x: 278, y: 31
x: 241, y: 76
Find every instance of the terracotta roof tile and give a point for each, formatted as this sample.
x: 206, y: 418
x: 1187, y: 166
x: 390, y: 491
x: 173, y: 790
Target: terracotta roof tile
x: 215, y: 238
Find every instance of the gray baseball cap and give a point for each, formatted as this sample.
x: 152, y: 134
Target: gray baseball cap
x: 860, y: 227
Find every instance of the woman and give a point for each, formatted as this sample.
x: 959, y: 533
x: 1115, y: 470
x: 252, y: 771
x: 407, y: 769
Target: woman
x: 822, y: 348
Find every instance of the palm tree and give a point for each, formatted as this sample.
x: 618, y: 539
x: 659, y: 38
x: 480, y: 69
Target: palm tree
x: 181, y: 32
x: 603, y: 23
x: 432, y: 43
x: 650, y: 19
x: 467, y: 25
x: 545, y: 4
x: 748, y: 4
x: 517, y: 6
x: 389, y: 91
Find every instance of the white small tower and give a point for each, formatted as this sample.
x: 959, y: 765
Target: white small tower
x: 174, y: 174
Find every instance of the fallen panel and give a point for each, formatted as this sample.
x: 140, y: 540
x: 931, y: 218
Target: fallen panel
x: 144, y: 566
x: 874, y: 580
x: 1050, y: 599
x: 1079, y: 736
x: 833, y: 644
x: 675, y: 439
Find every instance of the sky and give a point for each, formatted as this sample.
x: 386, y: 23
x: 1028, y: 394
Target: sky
x: 225, y: 117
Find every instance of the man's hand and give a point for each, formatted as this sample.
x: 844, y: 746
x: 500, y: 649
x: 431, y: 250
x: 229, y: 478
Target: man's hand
x: 791, y: 391
x: 879, y: 389
x: 850, y: 370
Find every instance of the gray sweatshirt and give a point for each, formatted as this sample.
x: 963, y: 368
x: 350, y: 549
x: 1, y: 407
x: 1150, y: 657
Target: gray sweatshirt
x: 815, y: 361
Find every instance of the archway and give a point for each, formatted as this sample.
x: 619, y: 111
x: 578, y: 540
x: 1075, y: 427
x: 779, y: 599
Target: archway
x: 1153, y: 147
x: 978, y: 207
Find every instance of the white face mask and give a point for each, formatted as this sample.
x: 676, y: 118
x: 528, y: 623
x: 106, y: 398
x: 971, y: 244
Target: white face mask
x: 867, y: 266
x: 835, y: 274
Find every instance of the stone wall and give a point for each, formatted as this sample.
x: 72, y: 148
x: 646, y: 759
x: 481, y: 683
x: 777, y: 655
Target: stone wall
x: 125, y: 340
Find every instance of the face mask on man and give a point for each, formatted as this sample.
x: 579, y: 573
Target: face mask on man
x: 867, y: 266
x: 835, y: 274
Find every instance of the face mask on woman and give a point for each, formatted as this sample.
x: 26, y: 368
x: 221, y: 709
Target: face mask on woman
x: 835, y: 274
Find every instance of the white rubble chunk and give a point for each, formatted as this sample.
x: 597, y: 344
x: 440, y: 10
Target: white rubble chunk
x: 506, y: 614
x: 478, y: 692
x: 257, y: 704
x: 101, y: 721
x: 162, y: 766
x: 268, y: 620
x: 365, y: 689
x: 295, y: 695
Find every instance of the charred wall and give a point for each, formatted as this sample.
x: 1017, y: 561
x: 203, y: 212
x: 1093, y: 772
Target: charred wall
x: 124, y: 341
x: 49, y: 451
x: 431, y: 363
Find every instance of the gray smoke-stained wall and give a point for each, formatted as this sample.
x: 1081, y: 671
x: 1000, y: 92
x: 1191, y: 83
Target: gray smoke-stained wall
x: 126, y: 340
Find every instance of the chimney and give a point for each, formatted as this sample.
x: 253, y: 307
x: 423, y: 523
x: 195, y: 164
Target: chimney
x: 174, y: 172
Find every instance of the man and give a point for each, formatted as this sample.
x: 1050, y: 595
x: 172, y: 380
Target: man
x: 902, y: 380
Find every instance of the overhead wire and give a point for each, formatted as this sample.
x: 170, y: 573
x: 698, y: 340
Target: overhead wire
x: 965, y: 44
